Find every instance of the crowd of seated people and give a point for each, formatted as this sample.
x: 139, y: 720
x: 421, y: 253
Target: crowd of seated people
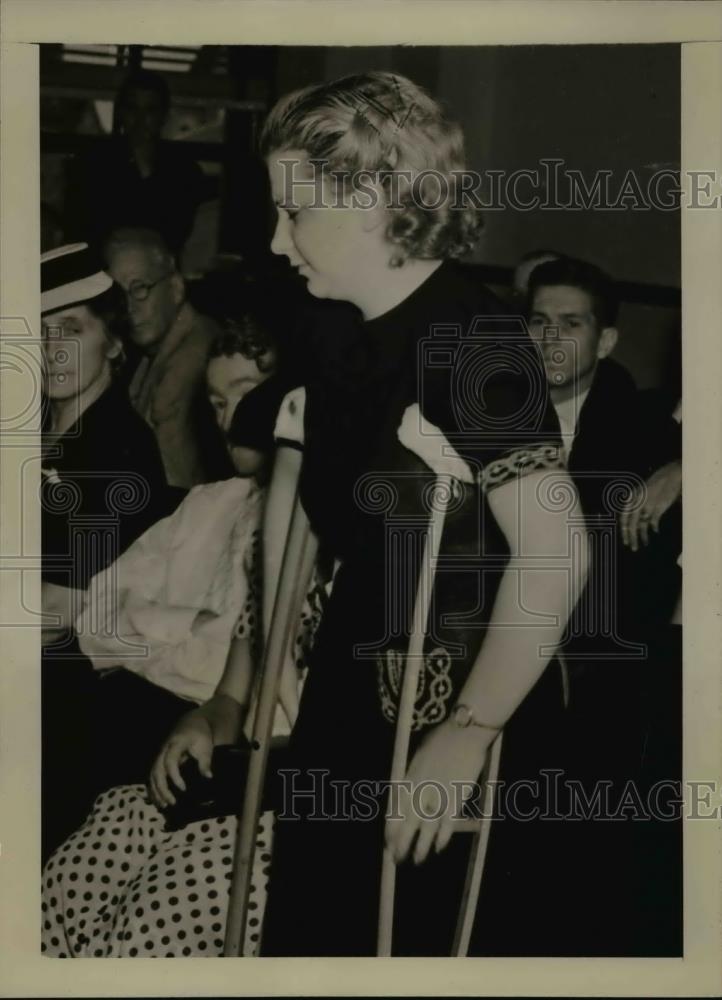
x: 105, y: 492
x: 188, y: 591
x: 114, y: 717
x: 162, y: 427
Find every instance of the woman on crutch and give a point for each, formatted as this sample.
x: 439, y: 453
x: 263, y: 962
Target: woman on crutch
x: 426, y: 378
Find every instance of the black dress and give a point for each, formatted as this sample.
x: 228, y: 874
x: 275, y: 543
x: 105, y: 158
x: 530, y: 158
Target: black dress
x: 475, y: 375
x: 102, y: 485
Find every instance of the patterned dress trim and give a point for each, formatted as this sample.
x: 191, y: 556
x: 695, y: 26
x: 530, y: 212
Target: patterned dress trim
x: 432, y: 694
x: 520, y: 462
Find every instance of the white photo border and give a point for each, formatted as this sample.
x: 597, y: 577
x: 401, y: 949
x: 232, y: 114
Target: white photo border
x: 23, y: 971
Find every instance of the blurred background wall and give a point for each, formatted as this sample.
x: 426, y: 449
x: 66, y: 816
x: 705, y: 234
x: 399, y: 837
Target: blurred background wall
x: 602, y: 107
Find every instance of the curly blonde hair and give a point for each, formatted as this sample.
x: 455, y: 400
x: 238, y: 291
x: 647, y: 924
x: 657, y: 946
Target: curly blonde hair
x: 382, y: 123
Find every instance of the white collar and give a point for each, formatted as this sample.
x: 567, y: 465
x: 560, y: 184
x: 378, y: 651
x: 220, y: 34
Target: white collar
x: 569, y: 409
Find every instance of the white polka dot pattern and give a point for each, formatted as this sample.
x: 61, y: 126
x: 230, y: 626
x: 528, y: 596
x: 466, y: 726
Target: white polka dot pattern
x: 122, y: 886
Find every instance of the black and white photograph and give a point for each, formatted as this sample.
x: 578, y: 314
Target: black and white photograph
x: 352, y: 501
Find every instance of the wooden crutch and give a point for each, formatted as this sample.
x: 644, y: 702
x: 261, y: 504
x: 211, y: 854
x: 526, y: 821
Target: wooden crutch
x: 407, y: 700
x: 298, y: 560
x: 481, y: 829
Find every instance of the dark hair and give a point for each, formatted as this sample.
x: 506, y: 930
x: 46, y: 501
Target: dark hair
x: 248, y: 336
x: 143, y: 79
x: 254, y: 417
x: 578, y: 274
x: 111, y: 307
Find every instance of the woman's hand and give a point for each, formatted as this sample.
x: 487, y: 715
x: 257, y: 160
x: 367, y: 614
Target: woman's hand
x: 447, y: 763
x: 661, y: 490
x: 217, y: 722
x: 192, y: 737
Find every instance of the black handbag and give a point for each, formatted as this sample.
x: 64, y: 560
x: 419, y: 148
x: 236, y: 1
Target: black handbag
x: 222, y: 794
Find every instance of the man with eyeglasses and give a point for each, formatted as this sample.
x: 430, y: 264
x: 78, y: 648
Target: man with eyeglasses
x: 167, y: 387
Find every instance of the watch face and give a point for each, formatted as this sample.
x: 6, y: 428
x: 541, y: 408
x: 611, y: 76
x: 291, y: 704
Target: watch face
x: 462, y: 716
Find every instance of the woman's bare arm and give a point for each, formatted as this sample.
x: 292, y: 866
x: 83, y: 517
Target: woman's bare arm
x: 276, y: 520
x: 218, y: 722
x: 538, y: 590
x: 280, y: 502
x: 542, y: 582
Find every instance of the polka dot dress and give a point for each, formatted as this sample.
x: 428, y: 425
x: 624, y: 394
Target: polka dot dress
x: 249, y: 619
x: 123, y: 887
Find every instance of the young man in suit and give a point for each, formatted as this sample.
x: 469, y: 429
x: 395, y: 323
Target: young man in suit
x: 624, y: 697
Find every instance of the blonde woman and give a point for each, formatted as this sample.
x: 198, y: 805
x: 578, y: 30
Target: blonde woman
x: 367, y: 177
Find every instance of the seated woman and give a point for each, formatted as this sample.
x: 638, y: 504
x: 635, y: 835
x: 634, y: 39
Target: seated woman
x: 102, y: 484
x: 124, y: 884
x: 164, y: 612
x: 101, y: 467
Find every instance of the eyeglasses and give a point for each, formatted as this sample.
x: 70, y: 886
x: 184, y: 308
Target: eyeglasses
x: 139, y: 291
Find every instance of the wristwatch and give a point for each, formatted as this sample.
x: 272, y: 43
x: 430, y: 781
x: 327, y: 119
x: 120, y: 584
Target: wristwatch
x: 463, y: 717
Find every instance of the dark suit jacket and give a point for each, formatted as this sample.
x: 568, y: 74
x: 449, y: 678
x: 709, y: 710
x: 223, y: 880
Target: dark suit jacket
x: 169, y: 392
x: 613, y: 637
x: 624, y: 435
